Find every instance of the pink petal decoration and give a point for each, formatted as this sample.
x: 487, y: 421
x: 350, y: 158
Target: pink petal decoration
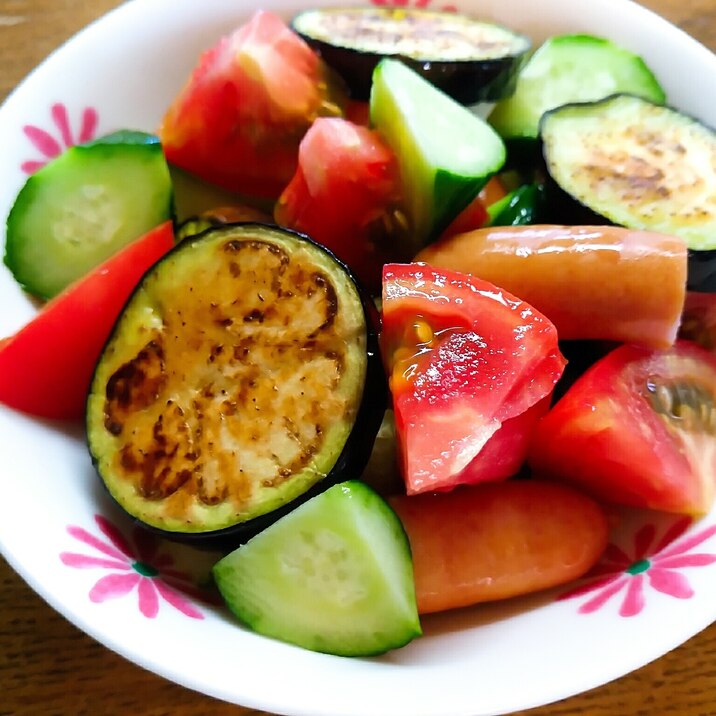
x: 685, y: 560
x: 148, y: 600
x: 177, y: 601
x: 148, y: 545
x: 62, y: 122
x: 689, y: 543
x: 634, y: 598
x: 175, y: 574
x: 91, y: 541
x: 206, y: 596
x: 52, y: 146
x: 115, y: 536
x: 616, y: 557
x: 83, y: 561
x: 598, y: 601
x: 113, y: 586
x: 643, y: 540
x: 671, y: 583
x: 44, y: 142
x: 673, y: 533
x: 90, y: 119
x: 32, y: 166
x: 591, y: 586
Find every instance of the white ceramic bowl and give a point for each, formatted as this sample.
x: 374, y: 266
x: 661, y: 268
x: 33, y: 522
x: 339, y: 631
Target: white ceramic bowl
x: 61, y: 533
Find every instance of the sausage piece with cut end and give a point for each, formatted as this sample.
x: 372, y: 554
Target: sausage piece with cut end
x: 592, y: 282
x: 499, y: 540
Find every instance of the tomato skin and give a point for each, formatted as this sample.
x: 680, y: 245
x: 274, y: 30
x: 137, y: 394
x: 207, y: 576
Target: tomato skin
x: 493, y: 191
x: 346, y: 185
x: 358, y: 112
x: 46, y: 367
x: 611, y: 433
x: 499, y: 540
x: 472, y: 217
x: 463, y: 356
x: 240, y: 117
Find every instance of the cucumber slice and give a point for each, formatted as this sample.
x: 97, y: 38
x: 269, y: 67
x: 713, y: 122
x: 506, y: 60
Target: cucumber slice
x: 520, y: 207
x: 335, y: 575
x: 567, y: 69
x: 446, y: 153
x: 82, y: 207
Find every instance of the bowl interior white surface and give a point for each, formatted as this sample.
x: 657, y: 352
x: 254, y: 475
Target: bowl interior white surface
x: 487, y: 660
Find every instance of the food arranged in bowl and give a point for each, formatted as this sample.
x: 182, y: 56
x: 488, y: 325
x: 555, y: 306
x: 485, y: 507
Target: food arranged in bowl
x: 424, y: 359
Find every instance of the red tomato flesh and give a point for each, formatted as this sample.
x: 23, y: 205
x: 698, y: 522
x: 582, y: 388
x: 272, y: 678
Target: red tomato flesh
x: 499, y: 540
x: 47, y: 366
x: 343, y: 195
x: 637, y: 429
x: 463, y: 356
x: 506, y: 451
x: 240, y: 117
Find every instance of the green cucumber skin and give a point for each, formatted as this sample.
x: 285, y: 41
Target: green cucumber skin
x: 273, y: 604
x: 522, y: 206
x: 42, y: 261
x: 446, y: 154
x: 518, y: 116
x: 453, y: 193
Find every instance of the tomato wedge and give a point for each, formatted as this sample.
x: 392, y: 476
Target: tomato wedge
x: 240, y: 117
x: 344, y: 195
x: 637, y: 429
x: 46, y: 367
x: 463, y: 356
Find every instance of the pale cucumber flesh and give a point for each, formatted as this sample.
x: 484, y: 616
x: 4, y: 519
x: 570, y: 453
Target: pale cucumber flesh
x: 335, y: 576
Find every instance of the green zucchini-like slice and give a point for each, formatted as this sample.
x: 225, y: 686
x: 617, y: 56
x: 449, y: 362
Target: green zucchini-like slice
x: 242, y: 376
x: 83, y: 206
x: 446, y: 154
x: 470, y: 60
x: 335, y: 576
x: 568, y: 69
x: 638, y: 164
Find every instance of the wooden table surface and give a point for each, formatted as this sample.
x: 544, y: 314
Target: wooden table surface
x: 47, y: 666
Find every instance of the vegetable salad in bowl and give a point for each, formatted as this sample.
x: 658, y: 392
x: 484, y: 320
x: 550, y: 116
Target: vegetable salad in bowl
x: 390, y: 328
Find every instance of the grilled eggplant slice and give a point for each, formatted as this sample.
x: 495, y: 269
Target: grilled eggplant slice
x: 242, y: 378
x: 641, y: 165
x: 470, y: 60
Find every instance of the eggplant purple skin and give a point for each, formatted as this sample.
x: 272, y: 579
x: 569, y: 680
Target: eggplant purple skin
x: 466, y: 81
x: 563, y: 208
x: 356, y: 450
x: 701, y: 271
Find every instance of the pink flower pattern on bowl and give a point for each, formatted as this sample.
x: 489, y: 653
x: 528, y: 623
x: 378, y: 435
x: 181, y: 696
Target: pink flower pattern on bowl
x: 139, y: 563
x: 52, y: 146
x: 413, y: 3
x: 652, y: 561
